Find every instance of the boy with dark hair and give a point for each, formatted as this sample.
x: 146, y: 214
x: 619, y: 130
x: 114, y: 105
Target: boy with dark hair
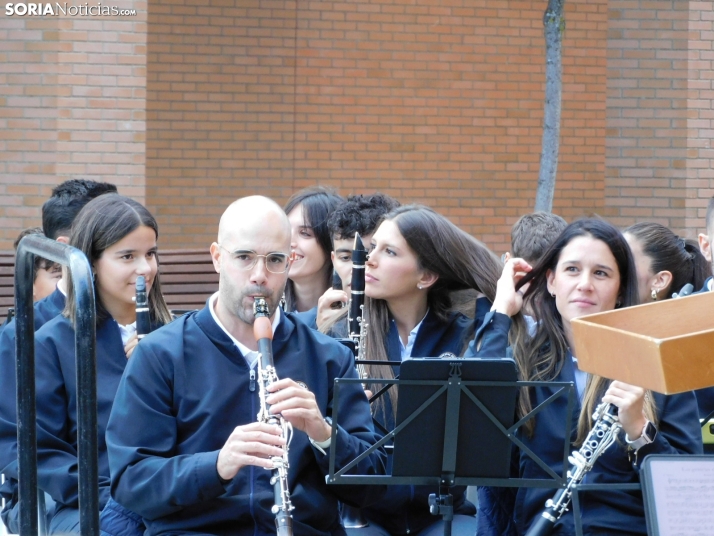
x: 58, y: 213
x: 533, y: 233
x: 66, y: 201
x: 359, y: 214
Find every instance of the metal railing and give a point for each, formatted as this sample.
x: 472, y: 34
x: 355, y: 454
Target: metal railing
x: 85, y: 341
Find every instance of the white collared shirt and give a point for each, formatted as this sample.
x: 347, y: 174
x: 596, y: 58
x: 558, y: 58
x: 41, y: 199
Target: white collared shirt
x: 127, y: 331
x: 251, y: 356
x: 406, y: 351
x: 581, y: 378
x: 62, y: 286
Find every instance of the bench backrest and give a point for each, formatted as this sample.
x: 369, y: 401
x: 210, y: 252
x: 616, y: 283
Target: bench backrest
x: 7, y: 282
x: 187, y: 279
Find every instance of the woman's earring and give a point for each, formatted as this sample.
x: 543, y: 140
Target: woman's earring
x: 552, y: 294
x: 419, y: 287
x: 618, y: 303
x: 654, y: 294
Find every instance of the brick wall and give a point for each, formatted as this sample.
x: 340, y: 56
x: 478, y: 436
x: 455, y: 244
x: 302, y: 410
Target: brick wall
x: 28, y: 120
x: 700, y: 116
x: 432, y: 102
x: 187, y: 106
x: 647, y: 112
x: 72, y: 105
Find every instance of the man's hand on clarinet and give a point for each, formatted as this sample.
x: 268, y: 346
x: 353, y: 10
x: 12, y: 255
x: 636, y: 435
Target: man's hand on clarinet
x: 251, y: 444
x: 298, y: 406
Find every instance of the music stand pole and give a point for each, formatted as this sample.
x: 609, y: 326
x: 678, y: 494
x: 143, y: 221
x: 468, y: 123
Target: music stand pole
x: 443, y: 505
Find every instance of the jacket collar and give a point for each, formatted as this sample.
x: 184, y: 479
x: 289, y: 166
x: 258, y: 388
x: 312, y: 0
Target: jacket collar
x: 223, y: 342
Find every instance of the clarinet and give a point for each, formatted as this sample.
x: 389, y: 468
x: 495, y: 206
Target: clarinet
x: 602, y: 435
x: 351, y: 516
x: 263, y: 332
x: 143, y: 322
x: 355, y: 314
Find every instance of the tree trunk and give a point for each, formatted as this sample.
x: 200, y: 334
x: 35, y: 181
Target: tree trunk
x: 554, y: 22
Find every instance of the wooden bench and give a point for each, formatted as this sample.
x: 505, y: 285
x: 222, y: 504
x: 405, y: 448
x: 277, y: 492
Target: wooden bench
x: 7, y: 282
x: 187, y: 279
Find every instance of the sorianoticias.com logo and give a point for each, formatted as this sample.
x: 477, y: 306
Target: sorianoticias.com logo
x: 72, y: 10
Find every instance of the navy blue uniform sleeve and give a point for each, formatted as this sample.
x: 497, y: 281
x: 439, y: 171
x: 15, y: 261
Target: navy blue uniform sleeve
x: 57, y: 464
x: 148, y: 477
x: 678, y: 432
x: 491, y: 339
x: 354, y: 436
x: 8, y: 413
x: 483, y: 306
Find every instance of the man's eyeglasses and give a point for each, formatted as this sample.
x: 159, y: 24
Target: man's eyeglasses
x: 276, y: 263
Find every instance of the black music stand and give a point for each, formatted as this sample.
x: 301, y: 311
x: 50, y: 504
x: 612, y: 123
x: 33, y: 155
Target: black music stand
x: 448, y: 407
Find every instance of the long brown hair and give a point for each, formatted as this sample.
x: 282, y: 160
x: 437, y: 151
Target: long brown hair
x: 100, y: 224
x: 460, y: 261
x: 540, y: 356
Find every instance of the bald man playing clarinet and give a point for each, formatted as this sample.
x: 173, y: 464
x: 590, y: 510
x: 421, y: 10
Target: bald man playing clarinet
x: 186, y: 450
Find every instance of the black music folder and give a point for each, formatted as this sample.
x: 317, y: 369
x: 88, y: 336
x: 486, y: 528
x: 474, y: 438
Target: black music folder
x: 482, y: 450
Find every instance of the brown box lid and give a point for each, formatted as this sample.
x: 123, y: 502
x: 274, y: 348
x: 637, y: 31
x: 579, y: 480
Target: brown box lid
x: 665, y: 346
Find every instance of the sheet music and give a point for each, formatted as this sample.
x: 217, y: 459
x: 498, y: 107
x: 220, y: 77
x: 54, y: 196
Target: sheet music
x: 683, y: 492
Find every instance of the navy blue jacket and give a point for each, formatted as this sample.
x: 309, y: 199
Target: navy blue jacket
x: 186, y: 388
x: 405, y: 509
x: 44, y: 311
x: 507, y: 511
x: 57, y: 405
x: 339, y: 330
x: 705, y: 397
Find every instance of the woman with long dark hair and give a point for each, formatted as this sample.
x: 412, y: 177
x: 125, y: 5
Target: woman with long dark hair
x: 420, y: 265
x: 665, y: 262
x: 588, y: 269
x: 118, y: 237
x: 311, y: 271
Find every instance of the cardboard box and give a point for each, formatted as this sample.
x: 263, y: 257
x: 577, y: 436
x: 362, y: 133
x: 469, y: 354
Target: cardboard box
x: 665, y: 346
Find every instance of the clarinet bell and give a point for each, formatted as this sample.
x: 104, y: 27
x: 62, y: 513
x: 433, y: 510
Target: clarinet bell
x: 352, y: 517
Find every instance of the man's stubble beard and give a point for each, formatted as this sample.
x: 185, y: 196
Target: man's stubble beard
x: 244, y: 310
x: 240, y: 304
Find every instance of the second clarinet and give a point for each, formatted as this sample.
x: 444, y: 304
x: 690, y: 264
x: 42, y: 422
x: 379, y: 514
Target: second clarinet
x: 263, y: 332
x: 355, y: 314
x: 143, y: 321
x: 603, y: 434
